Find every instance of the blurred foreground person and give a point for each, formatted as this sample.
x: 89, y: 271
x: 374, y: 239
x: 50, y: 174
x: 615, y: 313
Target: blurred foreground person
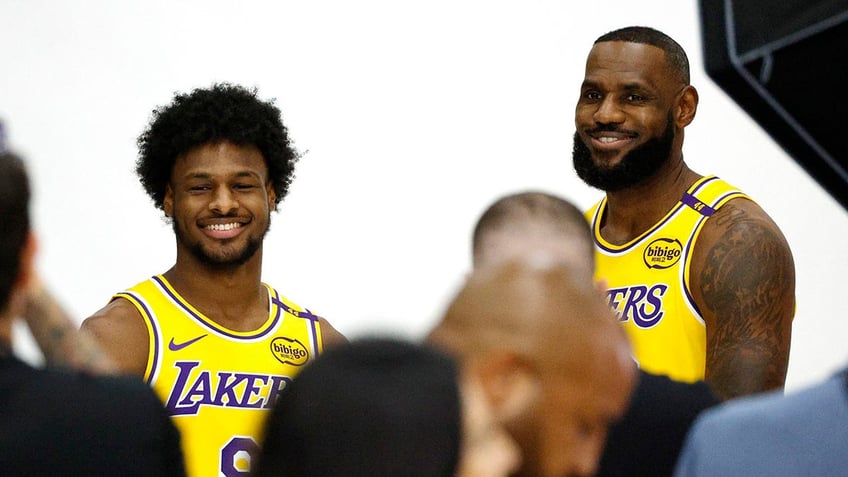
x: 383, y: 407
x: 552, y: 361
x: 530, y: 225
x: 60, y: 422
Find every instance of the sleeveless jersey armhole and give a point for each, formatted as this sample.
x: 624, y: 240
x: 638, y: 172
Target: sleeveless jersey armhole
x: 705, y: 197
x: 153, y: 351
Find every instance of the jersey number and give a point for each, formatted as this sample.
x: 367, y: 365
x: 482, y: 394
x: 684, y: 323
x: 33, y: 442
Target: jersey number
x: 237, y: 455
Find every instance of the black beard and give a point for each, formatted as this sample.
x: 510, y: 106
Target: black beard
x: 634, y: 168
x: 220, y: 263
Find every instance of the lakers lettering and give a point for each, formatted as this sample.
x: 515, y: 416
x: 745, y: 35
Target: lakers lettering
x: 662, y: 253
x: 641, y: 303
x: 196, y: 388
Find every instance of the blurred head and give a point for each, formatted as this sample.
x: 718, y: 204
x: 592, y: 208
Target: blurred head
x: 375, y: 407
x: 223, y: 113
x: 533, y: 224
x: 635, y: 101
x: 15, y: 238
x: 550, y: 356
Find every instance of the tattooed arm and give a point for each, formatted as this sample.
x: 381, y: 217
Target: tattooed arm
x: 743, y: 280
x: 62, y: 344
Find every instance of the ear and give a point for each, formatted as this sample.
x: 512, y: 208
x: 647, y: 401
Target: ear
x: 168, y: 201
x: 687, y: 106
x: 272, y: 196
x: 511, y: 383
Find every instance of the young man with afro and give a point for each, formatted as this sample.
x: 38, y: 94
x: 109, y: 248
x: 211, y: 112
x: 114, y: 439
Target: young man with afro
x: 215, y: 342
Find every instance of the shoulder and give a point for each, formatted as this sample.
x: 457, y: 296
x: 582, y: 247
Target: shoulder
x: 120, y: 329
x: 329, y: 335
x: 741, y: 247
x: 90, y: 425
x: 763, y: 423
x: 740, y: 221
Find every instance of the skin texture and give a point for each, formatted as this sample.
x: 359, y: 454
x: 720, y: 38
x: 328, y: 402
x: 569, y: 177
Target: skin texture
x: 487, y: 450
x: 552, y: 360
x: 61, y: 343
x: 742, y: 275
x: 212, y: 185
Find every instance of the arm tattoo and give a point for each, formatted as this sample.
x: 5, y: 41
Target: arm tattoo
x: 745, y: 280
x: 60, y: 342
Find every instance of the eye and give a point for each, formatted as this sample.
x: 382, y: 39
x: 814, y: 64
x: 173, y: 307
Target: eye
x: 199, y: 188
x: 636, y: 98
x: 592, y: 95
x: 244, y: 186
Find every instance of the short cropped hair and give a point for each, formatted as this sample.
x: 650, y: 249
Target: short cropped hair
x: 537, y: 207
x: 674, y: 53
x: 223, y: 112
x: 14, y: 221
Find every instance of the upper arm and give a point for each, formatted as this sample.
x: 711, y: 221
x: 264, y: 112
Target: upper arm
x: 120, y: 330
x: 330, y: 336
x: 743, y: 280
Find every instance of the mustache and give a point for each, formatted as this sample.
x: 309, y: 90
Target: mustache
x: 610, y: 128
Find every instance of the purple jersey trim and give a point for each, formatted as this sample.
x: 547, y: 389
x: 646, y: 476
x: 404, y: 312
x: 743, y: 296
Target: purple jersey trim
x: 204, y: 321
x: 691, y: 243
x: 149, y: 316
x: 674, y: 211
x: 650, y: 231
x: 697, y: 205
x: 688, y: 251
x: 307, y: 315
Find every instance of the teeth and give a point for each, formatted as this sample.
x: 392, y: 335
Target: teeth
x: 607, y: 139
x: 223, y: 226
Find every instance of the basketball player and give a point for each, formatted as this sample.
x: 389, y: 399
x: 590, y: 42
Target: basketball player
x: 62, y: 422
x: 215, y: 342
x: 531, y: 225
x: 552, y: 361
x: 700, y: 276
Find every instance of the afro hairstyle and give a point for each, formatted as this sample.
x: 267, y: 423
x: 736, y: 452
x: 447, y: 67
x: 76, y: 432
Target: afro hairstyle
x: 222, y: 113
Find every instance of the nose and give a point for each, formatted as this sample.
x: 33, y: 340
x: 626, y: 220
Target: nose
x: 223, y: 201
x: 608, y: 111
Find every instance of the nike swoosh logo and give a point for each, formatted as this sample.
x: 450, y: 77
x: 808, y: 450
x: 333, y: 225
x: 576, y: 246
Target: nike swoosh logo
x: 178, y: 346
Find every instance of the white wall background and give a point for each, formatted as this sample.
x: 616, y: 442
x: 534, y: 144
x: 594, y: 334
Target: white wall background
x: 415, y: 116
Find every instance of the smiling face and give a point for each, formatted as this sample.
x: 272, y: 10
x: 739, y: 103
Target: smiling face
x: 220, y: 199
x: 628, y: 117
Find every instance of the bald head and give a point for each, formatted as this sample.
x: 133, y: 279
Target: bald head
x: 551, y: 355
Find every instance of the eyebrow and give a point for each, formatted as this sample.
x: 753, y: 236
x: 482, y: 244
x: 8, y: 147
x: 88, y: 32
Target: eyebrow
x: 632, y: 86
x: 207, y: 176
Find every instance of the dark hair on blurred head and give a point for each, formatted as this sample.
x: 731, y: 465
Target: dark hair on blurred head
x: 222, y: 113
x: 14, y: 221
x: 377, y: 407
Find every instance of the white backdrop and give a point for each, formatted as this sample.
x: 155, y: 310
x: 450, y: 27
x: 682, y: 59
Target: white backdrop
x: 413, y: 115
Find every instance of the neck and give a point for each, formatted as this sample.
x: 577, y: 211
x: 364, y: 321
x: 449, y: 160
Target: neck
x: 232, y: 297
x: 632, y: 211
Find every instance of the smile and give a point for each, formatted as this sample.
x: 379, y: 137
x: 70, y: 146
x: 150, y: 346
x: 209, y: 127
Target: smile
x: 608, y: 141
x: 222, y: 227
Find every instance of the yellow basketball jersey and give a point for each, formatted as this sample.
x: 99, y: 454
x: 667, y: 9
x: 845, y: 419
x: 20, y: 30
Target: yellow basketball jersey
x: 648, y: 280
x: 219, y: 384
